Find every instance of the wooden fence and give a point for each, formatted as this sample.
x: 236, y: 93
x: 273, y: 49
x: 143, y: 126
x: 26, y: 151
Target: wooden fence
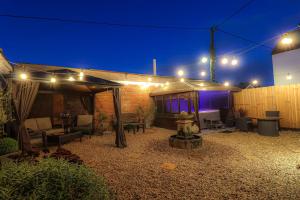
x: 285, y: 99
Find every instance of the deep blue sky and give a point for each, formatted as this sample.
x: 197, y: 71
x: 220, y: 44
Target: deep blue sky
x: 132, y: 49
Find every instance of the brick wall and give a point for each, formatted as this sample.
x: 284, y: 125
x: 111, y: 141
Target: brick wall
x: 131, y: 98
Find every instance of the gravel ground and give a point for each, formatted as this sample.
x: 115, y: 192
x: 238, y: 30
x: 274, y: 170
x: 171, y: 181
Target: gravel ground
x: 227, y: 166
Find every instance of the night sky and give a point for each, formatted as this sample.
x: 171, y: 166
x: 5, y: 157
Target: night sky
x: 132, y: 49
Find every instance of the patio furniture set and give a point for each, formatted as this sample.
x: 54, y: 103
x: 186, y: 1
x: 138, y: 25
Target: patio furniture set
x: 42, y: 128
x: 268, y: 125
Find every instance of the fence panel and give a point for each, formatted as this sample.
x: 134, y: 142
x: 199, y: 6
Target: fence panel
x: 286, y: 99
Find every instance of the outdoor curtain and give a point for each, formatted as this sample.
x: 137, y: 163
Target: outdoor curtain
x: 120, y: 136
x: 195, y: 99
x: 24, y: 94
x: 87, y: 102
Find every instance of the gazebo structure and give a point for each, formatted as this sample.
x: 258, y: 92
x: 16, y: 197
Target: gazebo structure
x: 206, y: 100
x: 30, y: 83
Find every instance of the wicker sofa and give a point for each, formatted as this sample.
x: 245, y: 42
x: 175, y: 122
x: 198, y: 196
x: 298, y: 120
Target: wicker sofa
x: 37, y: 126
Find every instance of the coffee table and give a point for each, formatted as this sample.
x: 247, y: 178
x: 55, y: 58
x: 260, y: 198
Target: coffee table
x: 60, y: 139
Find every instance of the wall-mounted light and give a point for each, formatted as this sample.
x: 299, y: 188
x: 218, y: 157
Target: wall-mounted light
x: 286, y: 40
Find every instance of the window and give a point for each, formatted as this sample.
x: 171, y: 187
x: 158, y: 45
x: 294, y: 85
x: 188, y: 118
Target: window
x: 159, y: 104
x: 174, y: 102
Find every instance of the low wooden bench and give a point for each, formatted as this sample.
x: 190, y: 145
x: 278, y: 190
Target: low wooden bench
x: 131, y: 121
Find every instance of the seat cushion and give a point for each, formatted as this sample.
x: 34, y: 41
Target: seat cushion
x: 84, y: 120
x: 54, y: 131
x: 44, y: 123
x: 31, y: 124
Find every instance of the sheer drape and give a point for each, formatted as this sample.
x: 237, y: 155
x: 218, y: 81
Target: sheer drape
x: 88, y: 103
x: 195, y: 99
x: 24, y: 94
x: 120, y: 136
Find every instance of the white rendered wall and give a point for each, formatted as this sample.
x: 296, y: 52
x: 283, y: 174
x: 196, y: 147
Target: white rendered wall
x: 284, y: 63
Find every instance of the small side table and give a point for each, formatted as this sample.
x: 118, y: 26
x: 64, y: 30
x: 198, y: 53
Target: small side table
x: 268, y: 126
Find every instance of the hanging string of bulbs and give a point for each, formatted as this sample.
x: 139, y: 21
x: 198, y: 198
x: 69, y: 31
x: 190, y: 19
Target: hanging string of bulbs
x: 24, y: 75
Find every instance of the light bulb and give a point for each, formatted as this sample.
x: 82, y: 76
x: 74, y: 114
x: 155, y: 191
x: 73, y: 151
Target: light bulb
x: 255, y: 82
x: 71, y: 78
x: 287, y: 40
x: 234, y: 62
x: 226, y: 83
x: 23, y: 76
x: 53, y: 80
x: 180, y: 72
x: 204, y: 59
x: 203, y: 73
x: 224, y: 61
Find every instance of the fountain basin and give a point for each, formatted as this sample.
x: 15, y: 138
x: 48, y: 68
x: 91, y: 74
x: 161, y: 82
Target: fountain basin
x: 192, y: 142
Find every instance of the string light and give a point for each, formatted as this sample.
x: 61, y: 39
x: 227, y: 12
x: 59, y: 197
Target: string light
x: 23, y: 76
x: 254, y: 82
x: 201, y: 84
x: 226, y: 84
x: 81, y: 74
x: 204, y: 59
x: 53, y: 80
x: 180, y: 72
x: 234, y: 62
x: 167, y: 83
x: 149, y: 79
x: 71, y: 78
x: 289, y: 76
x: 182, y: 80
x: 224, y: 61
x: 203, y: 73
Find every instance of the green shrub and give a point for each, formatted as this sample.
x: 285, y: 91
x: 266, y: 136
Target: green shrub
x: 8, y: 145
x: 50, y: 179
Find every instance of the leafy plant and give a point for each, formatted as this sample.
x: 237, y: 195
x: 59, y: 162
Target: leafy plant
x: 50, y: 179
x: 147, y: 115
x: 242, y: 112
x: 8, y: 145
x: 184, y: 116
x: 6, y: 111
x: 102, y: 117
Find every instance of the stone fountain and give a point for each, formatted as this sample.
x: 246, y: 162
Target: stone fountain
x: 185, y: 138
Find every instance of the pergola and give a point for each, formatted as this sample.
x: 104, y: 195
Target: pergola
x: 188, y: 96
x: 24, y: 92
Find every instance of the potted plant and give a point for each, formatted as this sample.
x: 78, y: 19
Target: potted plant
x: 102, y: 117
x: 146, y: 115
x: 242, y: 122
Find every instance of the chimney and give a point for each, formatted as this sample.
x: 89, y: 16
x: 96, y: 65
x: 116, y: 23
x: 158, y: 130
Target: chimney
x: 154, y: 66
